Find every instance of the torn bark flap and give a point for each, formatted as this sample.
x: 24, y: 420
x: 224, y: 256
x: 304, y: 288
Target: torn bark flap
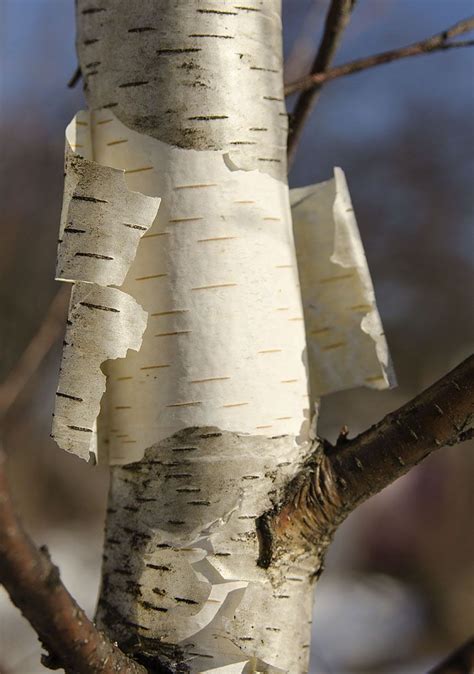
x: 103, y: 323
x: 102, y: 222
x: 346, y: 343
x: 103, y: 226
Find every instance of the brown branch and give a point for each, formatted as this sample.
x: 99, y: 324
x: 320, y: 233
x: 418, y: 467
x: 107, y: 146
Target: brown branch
x: 337, y: 19
x: 438, y: 42
x: 369, y: 62
x: 50, y: 330
x: 311, y: 85
x: 34, y: 586
x: 461, y: 661
x: 76, y: 76
x: 335, y: 480
x: 442, y: 415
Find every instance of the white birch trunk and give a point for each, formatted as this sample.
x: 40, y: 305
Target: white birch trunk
x: 176, y: 230
x: 187, y: 98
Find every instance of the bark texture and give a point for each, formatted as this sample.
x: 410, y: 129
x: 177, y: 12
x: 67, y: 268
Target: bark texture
x: 204, y: 75
x: 181, y: 556
x: 191, y: 95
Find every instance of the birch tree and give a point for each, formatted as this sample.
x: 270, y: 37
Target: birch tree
x: 210, y: 310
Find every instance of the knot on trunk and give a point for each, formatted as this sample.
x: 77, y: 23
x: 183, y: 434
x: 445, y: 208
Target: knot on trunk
x: 304, y: 521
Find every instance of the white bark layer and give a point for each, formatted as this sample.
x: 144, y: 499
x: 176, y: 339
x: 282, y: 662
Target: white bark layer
x: 101, y: 224
x: 346, y: 342
x: 217, y: 275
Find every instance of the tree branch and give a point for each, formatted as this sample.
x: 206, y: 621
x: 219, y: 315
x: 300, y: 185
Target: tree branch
x: 49, y: 332
x: 337, y: 19
x: 442, y: 415
x: 335, y: 480
x: 461, y: 661
x: 34, y: 586
x: 438, y: 42
x: 75, y: 77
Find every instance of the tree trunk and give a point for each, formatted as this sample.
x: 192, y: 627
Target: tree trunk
x: 213, y: 411
x: 176, y: 232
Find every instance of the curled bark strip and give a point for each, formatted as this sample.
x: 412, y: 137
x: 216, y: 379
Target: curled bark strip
x: 336, y: 480
x: 346, y: 346
x: 34, y: 586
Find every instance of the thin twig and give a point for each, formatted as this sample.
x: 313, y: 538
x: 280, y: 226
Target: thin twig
x: 50, y: 330
x: 461, y: 661
x: 438, y: 42
x: 76, y: 76
x: 34, y: 586
x: 337, y: 19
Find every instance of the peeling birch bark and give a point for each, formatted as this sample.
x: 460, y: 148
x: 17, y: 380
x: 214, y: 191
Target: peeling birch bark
x: 346, y: 342
x: 103, y: 323
x: 217, y: 275
x: 210, y: 419
x: 102, y: 222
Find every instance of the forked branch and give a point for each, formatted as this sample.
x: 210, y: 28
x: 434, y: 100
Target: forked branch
x: 337, y: 19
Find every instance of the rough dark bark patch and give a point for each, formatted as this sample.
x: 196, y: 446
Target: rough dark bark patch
x: 159, y: 507
x: 304, y: 522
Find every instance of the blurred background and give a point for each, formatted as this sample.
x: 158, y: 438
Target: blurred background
x: 398, y: 591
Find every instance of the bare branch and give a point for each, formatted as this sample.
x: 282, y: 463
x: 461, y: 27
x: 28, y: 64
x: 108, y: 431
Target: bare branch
x: 335, y: 480
x: 43, y: 340
x: 75, y: 77
x: 442, y: 415
x: 336, y: 21
x: 461, y: 661
x: 34, y: 586
x: 438, y: 42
